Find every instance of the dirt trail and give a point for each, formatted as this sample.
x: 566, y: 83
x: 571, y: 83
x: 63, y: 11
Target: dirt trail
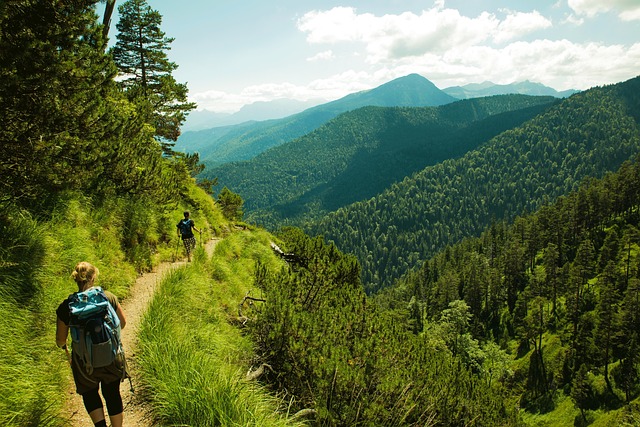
x: 136, y: 414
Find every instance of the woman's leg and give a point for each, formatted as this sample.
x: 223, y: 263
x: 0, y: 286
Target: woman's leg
x: 111, y: 393
x: 93, y: 405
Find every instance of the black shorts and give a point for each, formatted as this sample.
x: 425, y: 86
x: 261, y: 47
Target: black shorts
x: 85, y: 382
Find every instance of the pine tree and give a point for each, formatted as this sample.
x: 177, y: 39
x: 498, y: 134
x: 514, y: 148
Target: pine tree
x: 141, y: 55
x: 606, y: 321
x: 582, y: 390
x: 231, y: 204
x: 56, y: 98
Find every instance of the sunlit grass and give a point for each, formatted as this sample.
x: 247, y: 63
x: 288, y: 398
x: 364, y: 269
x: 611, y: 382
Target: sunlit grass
x: 193, y: 360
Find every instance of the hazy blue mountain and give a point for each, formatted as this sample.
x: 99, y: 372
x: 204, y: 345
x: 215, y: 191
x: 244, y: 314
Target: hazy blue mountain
x: 245, y: 141
x: 261, y: 110
x: 477, y: 90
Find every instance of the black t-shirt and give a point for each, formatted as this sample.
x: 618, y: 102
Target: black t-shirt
x: 64, y: 314
x: 185, y: 227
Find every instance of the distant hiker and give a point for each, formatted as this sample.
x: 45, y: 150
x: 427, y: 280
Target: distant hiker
x: 185, y: 227
x: 95, y: 319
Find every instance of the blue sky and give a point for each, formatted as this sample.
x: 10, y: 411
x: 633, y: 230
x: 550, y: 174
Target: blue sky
x: 236, y: 52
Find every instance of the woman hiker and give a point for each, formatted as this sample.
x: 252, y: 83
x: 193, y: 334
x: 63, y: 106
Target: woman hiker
x: 185, y: 227
x: 108, y: 377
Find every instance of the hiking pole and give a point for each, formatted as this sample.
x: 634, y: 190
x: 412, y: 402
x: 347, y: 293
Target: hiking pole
x: 200, y: 238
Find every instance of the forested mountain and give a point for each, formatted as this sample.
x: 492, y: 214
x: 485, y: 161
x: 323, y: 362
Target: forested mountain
x: 558, y: 287
x: 247, y: 140
x: 477, y: 90
x: 585, y: 135
x: 360, y: 153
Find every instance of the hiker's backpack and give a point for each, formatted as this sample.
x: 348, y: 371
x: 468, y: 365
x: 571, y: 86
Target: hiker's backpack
x: 185, y: 227
x: 95, y: 329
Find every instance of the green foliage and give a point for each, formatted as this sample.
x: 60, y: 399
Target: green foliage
x: 66, y: 124
x: 517, y: 171
x: 231, y: 204
x: 336, y: 352
x: 55, y: 82
x: 140, y: 54
x: 28, y: 394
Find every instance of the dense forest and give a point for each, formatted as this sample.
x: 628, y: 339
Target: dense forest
x: 583, y: 136
x: 558, y: 287
x: 360, y: 153
x: 539, y: 313
x: 337, y: 353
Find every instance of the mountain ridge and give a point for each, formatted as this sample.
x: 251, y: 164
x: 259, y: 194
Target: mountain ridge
x: 246, y: 140
x: 515, y: 171
x: 487, y: 88
x: 361, y: 152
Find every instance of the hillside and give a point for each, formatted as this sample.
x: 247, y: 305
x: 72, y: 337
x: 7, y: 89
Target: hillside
x: 584, y: 136
x: 558, y: 290
x: 247, y: 140
x: 360, y: 153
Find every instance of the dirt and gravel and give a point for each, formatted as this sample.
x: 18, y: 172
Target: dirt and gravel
x: 136, y: 413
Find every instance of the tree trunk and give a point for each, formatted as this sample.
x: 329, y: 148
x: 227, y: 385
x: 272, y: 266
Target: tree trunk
x: 106, y: 19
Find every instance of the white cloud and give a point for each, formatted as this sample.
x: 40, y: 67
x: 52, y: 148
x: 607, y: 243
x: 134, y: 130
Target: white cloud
x: 628, y: 10
x: 322, y: 56
x: 560, y: 64
x: 573, y: 20
x: 330, y: 88
x: 437, y: 30
x: 519, y: 23
x: 630, y: 15
x: 338, y: 24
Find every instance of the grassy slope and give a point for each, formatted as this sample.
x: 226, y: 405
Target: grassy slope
x: 193, y: 369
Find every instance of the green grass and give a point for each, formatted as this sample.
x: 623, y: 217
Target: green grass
x: 193, y: 359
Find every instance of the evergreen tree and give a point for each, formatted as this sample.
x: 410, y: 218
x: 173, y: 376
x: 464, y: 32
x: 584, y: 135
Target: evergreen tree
x: 57, y: 98
x: 606, y: 311
x: 231, y: 204
x: 141, y: 55
x: 582, y: 390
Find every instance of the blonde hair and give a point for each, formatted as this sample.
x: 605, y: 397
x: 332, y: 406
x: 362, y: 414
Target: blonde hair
x: 84, y: 273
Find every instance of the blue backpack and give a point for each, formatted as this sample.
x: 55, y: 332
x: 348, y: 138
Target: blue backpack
x: 185, y: 228
x: 95, y: 329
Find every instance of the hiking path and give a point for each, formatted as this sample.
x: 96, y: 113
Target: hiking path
x: 136, y: 412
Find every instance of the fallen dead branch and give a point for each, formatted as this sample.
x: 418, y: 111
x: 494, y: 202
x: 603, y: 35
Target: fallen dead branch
x: 241, y: 317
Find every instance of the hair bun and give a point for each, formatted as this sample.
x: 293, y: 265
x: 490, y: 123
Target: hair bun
x: 83, y: 273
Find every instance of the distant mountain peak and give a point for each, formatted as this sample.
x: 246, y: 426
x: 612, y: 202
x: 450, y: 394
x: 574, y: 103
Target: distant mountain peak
x: 412, y: 90
x: 488, y: 88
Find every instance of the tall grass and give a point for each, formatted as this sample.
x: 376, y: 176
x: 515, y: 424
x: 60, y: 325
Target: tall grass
x: 28, y: 389
x: 193, y: 360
